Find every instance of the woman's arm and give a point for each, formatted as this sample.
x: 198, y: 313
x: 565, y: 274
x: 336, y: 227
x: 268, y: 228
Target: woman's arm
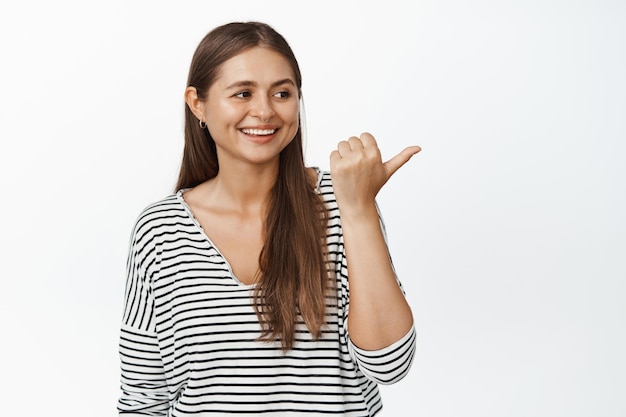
x: 143, y: 384
x: 379, y: 313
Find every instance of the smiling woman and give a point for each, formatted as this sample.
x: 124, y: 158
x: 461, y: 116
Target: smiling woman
x: 240, y: 297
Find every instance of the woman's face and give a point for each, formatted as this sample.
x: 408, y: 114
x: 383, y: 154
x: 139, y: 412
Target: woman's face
x: 251, y: 109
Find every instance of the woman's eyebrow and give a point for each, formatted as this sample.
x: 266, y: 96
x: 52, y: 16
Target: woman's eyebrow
x: 246, y: 83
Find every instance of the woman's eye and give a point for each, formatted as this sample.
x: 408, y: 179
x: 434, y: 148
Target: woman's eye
x: 283, y: 94
x: 243, y: 94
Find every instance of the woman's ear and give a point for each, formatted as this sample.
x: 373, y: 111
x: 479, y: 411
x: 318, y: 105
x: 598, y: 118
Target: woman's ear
x: 193, y: 101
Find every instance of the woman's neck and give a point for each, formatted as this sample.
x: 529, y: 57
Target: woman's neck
x: 244, y: 189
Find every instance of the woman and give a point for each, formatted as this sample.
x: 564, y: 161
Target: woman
x: 239, y: 283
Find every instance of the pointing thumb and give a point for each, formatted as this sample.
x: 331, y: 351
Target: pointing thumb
x: 392, y: 165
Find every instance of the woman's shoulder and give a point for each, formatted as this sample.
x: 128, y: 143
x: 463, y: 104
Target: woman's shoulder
x: 320, y: 178
x: 159, y: 211
x: 323, y: 182
x: 168, y: 203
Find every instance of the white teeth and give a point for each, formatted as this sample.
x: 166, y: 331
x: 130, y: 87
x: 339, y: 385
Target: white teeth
x: 258, y: 132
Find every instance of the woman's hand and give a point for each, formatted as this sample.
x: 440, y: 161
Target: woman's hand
x: 359, y: 173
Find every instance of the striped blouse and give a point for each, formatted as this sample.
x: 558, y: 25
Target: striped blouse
x: 189, y: 336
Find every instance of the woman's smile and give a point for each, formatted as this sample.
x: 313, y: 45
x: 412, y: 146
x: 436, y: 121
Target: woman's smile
x: 259, y: 135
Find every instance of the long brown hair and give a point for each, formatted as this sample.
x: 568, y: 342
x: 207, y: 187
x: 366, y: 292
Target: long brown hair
x: 293, y: 277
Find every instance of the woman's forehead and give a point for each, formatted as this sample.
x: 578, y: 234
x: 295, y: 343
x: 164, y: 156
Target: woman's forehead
x: 255, y: 65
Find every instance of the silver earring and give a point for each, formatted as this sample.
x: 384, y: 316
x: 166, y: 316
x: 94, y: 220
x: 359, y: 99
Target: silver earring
x: 202, y: 124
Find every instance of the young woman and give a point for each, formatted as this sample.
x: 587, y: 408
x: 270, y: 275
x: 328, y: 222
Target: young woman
x: 261, y: 286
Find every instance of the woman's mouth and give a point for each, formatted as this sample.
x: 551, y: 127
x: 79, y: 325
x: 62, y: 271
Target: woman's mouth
x: 259, y: 132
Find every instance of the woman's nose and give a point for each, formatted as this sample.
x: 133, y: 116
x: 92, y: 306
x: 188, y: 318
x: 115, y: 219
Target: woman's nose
x: 262, y: 109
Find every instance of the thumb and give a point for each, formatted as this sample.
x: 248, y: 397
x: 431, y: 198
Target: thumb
x: 392, y: 165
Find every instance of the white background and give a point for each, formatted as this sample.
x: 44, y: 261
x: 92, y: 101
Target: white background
x: 507, y: 231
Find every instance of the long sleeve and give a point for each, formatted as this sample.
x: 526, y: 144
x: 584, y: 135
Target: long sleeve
x: 143, y: 383
x: 144, y: 389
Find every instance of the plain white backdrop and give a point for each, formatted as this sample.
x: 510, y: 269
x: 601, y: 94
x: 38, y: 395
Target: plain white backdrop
x: 507, y: 230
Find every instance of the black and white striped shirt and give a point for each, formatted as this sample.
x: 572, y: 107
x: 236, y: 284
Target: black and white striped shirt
x: 189, y: 337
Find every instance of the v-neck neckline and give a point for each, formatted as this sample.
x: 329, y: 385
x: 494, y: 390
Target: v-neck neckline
x: 181, y: 199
